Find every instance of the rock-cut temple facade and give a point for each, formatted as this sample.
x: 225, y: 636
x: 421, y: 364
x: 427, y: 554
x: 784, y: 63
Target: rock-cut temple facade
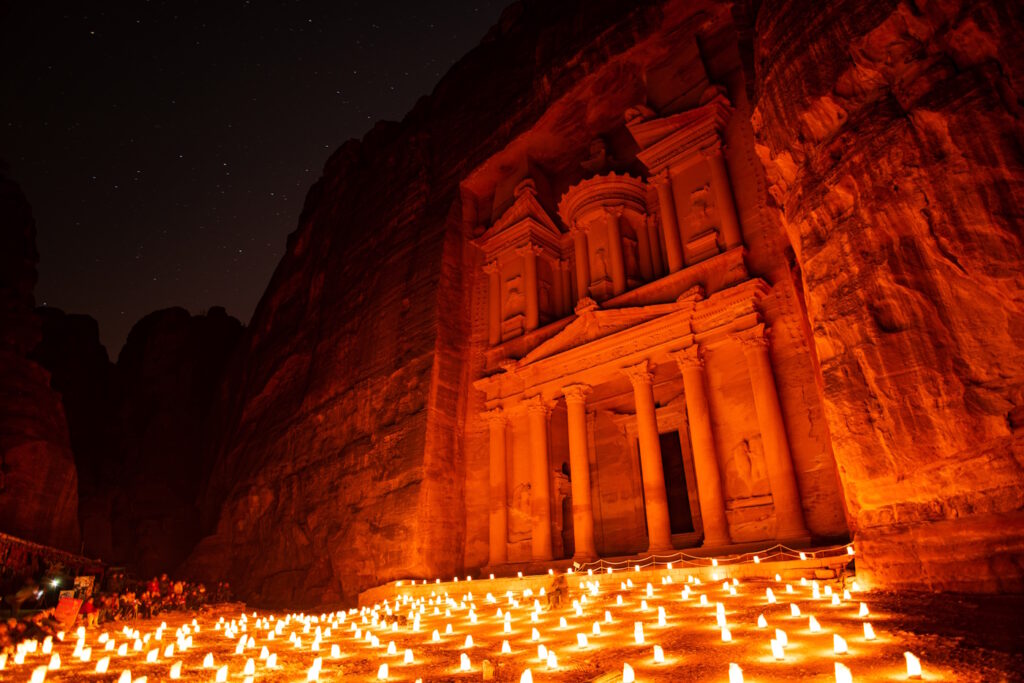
x: 644, y: 379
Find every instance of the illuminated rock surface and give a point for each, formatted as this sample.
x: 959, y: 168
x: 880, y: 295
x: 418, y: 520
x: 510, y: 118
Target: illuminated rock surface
x: 890, y: 159
x: 39, y: 490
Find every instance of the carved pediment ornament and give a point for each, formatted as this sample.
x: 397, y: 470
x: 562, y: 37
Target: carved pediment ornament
x: 639, y: 374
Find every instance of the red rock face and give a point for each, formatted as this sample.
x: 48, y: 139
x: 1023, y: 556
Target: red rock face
x: 39, y: 489
x: 891, y: 134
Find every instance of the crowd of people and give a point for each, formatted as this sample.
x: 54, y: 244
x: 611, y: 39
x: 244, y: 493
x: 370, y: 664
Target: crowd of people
x: 33, y: 608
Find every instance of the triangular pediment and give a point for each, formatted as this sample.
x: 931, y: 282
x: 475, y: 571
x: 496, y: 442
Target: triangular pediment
x: 593, y: 324
x: 525, y: 209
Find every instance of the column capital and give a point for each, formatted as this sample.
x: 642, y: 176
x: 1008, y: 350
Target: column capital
x: 690, y: 357
x: 715, y: 149
x: 564, y: 264
x: 491, y: 267
x: 755, y: 337
x: 529, y: 248
x: 614, y: 210
x: 537, y: 405
x: 660, y: 179
x: 639, y: 374
x: 495, y: 415
x: 576, y: 393
x: 578, y: 228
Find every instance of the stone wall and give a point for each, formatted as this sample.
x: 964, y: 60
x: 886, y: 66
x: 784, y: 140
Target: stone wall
x: 891, y: 137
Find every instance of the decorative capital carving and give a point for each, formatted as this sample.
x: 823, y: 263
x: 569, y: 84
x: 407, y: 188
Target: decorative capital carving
x: 536, y: 405
x: 585, y: 305
x: 614, y: 210
x: 528, y: 249
x: 715, y: 149
x: 495, y: 416
x: 576, y: 393
x: 660, y: 180
x: 491, y: 267
x: 578, y: 228
x: 756, y: 337
x: 639, y: 374
x: 689, y: 358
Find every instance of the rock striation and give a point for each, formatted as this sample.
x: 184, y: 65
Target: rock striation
x: 891, y: 137
x: 38, y: 480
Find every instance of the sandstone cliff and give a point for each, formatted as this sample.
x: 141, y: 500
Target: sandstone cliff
x: 137, y: 428
x: 38, y: 482
x: 892, y: 135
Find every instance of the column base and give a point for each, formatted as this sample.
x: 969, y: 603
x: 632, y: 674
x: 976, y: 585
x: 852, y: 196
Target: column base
x: 583, y: 558
x: 665, y: 549
x: 715, y: 542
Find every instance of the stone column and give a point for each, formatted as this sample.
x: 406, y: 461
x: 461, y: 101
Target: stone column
x: 705, y: 459
x: 657, y: 264
x: 498, y: 422
x: 566, y: 276
x: 643, y: 247
x: 493, y: 303
x: 582, y: 253
x: 669, y: 222
x: 789, y: 513
x: 579, y: 464
x: 612, y: 215
x: 540, y: 478
x: 659, y: 529
x: 721, y: 186
x: 529, y: 254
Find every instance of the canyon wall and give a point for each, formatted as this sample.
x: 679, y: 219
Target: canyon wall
x: 38, y: 480
x: 892, y: 136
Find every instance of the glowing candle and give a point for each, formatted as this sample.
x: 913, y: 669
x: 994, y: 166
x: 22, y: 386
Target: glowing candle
x: 650, y: 590
x: 770, y: 595
x: 777, y: 650
x: 638, y: 632
x: 789, y: 588
x: 102, y: 665
x: 169, y: 651
x: 86, y: 654
x: 435, y: 636
x: 628, y: 676
x: 803, y: 556
x: 843, y: 674
x: 780, y: 636
x: 552, y: 660
x: 208, y: 661
x: 835, y: 599
x: 659, y: 655
x: 152, y: 655
x: 607, y: 617
x: 726, y: 635
x: 761, y: 621
x: 542, y: 652
x: 913, y: 665
x: 526, y: 677
x: 222, y: 674
x: 703, y: 600
x: 618, y: 600
x: 735, y: 673
x: 839, y: 644
x: 661, y: 616
x: 863, y: 610
x: 643, y: 605
x: 505, y: 648
x: 447, y: 629
x: 794, y: 610
x: 382, y: 672
x: 110, y: 645
x: 846, y: 594
x: 869, y: 633
x: 468, y: 643
x: 813, y: 625
x: 535, y: 635
x: 272, y: 661
x: 562, y: 622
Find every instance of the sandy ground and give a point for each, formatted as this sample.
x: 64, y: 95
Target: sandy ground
x: 957, y: 638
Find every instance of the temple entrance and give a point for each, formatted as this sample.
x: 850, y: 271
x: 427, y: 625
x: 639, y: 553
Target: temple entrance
x: 680, y: 517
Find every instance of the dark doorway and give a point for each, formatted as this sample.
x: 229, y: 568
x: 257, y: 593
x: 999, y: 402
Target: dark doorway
x: 679, y: 515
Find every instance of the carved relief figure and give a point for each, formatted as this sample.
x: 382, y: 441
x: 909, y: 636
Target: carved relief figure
x: 701, y: 212
x: 519, y: 519
x: 745, y: 474
x: 515, y: 301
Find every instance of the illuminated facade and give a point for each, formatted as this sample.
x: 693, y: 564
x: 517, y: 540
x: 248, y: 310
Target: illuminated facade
x: 631, y: 397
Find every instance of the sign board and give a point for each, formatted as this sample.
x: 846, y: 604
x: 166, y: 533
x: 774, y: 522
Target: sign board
x: 84, y: 585
x: 66, y: 611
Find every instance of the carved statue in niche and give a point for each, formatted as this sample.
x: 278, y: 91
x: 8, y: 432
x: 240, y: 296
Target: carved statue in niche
x: 745, y: 473
x: 701, y: 212
x: 600, y: 266
x: 599, y: 159
x: 519, y: 517
x: 515, y: 301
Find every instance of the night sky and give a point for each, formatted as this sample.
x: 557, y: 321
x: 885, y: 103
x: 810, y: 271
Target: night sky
x: 167, y: 147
